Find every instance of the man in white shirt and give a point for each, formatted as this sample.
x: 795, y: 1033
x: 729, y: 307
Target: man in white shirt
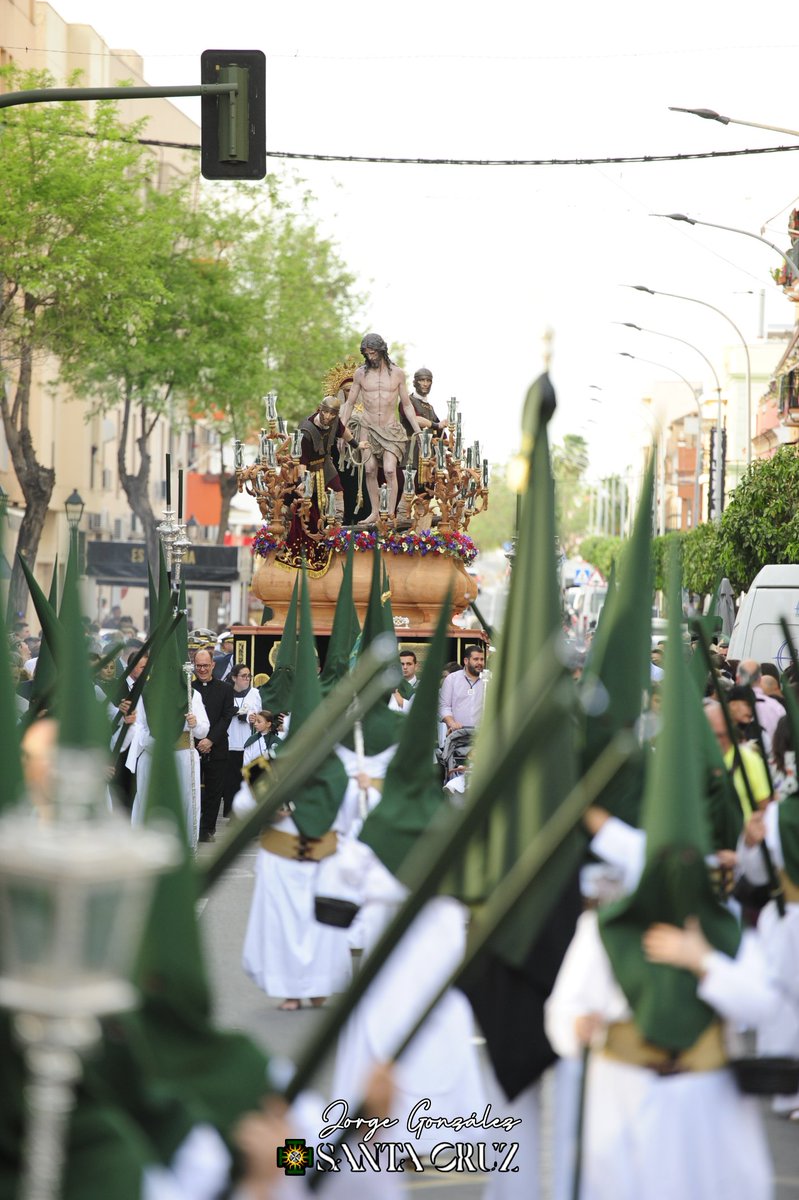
x: 460, y: 703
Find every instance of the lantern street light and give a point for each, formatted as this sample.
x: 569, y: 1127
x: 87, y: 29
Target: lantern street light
x: 74, y: 894
x: 639, y: 287
x: 73, y: 507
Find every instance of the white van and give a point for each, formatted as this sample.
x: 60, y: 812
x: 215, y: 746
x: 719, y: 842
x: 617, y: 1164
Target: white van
x: 587, y: 607
x: 757, y: 632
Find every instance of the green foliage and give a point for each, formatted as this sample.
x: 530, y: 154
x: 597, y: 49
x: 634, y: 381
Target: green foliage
x: 569, y: 464
x: 497, y: 525
x: 761, y: 522
x: 661, y: 556
x: 74, y: 251
x: 601, y: 552
x: 700, y: 558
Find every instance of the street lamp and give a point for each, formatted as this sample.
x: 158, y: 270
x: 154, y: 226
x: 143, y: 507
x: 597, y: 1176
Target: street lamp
x: 718, y: 500
x: 664, y: 367
x: 73, y: 507
x: 709, y: 114
x: 639, y: 287
x: 729, y: 229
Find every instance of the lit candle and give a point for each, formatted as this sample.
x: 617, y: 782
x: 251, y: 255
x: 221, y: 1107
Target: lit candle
x: 238, y: 455
x: 384, y: 498
x: 180, y: 493
x: 485, y: 472
x: 281, y: 427
x: 477, y: 456
x: 458, y: 446
x: 271, y: 406
x: 271, y: 457
x: 469, y: 457
x: 296, y: 443
x: 331, y: 505
x: 452, y: 406
x: 427, y: 443
x: 169, y: 480
x: 410, y: 482
x: 264, y: 439
x: 441, y: 454
x: 308, y: 486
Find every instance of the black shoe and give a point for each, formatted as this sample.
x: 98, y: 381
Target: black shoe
x: 207, y: 837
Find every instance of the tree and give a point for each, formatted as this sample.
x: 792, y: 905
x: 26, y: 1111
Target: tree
x: 254, y: 301
x: 569, y: 464
x: 700, y: 558
x: 497, y: 525
x: 761, y: 522
x: 602, y: 552
x: 74, y: 254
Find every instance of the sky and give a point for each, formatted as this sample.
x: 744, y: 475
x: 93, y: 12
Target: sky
x: 469, y: 266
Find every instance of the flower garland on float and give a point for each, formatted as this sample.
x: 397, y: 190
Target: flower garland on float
x: 429, y: 541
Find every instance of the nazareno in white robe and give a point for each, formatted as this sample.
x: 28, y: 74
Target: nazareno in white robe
x: 689, y: 1136
x: 441, y: 1064
x: 187, y: 763
x: 287, y: 952
x: 778, y: 1034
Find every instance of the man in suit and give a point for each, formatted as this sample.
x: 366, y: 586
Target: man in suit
x: 217, y: 697
x: 400, y: 702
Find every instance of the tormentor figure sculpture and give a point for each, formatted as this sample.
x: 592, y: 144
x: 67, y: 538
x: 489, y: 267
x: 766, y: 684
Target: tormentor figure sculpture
x: 370, y: 414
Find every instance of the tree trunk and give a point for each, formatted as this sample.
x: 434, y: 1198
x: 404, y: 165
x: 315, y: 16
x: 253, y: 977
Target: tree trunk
x: 136, y: 486
x: 36, y: 481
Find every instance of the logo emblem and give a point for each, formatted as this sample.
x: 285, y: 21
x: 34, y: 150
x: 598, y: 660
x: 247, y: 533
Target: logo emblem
x: 294, y: 1156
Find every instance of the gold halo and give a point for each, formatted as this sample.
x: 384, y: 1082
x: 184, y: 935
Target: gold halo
x: 338, y: 375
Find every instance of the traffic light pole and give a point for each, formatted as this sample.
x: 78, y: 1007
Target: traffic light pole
x: 51, y: 95
x: 233, y: 119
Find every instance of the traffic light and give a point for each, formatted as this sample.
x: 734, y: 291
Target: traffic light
x: 234, y: 124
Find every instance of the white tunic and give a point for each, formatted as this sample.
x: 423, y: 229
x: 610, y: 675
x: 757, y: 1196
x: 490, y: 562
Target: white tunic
x: 441, y: 1064
x: 779, y: 937
x: 648, y: 1137
x: 239, y: 731
x: 287, y: 952
x: 187, y: 763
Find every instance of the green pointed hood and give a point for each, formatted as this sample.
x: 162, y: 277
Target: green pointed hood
x: 532, y: 620
x: 44, y: 680
x: 276, y: 693
x: 412, y: 794
x: 675, y: 883
x: 379, y: 618
x: 346, y: 628
x: 82, y: 717
x: 621, y: 649
x: 381, y: 727
x: 321, y: 796
x: 223, y: 1074
x: 45, y: 675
